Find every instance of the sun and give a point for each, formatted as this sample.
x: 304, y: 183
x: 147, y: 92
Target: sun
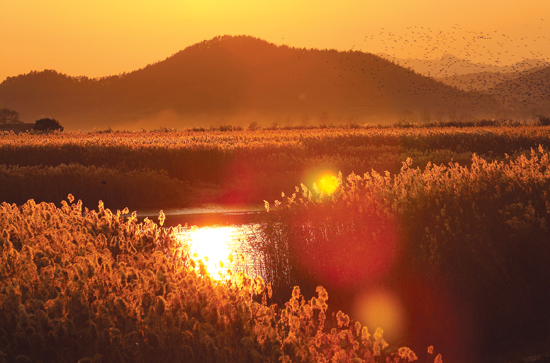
x: 328, y: 182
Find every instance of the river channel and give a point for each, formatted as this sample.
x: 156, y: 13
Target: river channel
x: 217, y: 234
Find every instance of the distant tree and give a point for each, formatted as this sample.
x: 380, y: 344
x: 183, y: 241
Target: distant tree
x: 47, y: 124
x: 8, y: 116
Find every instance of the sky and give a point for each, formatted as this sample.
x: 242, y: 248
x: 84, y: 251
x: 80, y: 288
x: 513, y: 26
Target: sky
x: 107, y: 37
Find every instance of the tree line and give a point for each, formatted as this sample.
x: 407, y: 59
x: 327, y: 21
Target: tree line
x: 9, y: 117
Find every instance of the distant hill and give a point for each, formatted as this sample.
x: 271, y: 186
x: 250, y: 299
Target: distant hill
x: 522, y: 89
x: 451, y: 66
x: 481, y: 81
x: 239, y: 79
x: 529, y: 91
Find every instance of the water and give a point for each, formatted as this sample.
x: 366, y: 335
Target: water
x: 207, y: 215
x: 217, y: 235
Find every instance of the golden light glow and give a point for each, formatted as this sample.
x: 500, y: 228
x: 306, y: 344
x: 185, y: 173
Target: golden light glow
x: 381, y: 308
x: 212, y: 246
x: 104, y: 37
x: 328, y: 182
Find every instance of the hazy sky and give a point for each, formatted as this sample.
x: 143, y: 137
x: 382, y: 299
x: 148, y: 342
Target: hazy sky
x: 105, y: 37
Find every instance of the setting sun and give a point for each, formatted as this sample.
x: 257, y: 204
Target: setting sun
x: 328, y: 182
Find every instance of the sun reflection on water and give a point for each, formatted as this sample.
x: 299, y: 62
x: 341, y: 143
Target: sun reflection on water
x: 212, y: 245
x: 221, y: 248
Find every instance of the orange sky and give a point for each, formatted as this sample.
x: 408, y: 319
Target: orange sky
x: 105, y: 37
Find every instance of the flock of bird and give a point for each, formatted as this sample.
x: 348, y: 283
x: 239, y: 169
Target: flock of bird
x: 515, y: 70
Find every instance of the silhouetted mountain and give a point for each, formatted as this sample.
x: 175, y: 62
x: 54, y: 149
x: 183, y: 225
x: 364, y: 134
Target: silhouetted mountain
x: 227, y: 77
x: 520, y: 88
x: 530, y: 91
x: 481, y: 81
x: 449, y: 66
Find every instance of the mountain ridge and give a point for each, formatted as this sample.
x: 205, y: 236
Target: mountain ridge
x: 450, y: 65
x: 221, y: 79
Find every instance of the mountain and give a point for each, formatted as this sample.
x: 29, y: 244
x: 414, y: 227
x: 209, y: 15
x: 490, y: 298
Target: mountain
x: 236, y: 79
x: 521, y: 88
x: 530, y: 91
x: 481, y: 81
x: 449, y: 66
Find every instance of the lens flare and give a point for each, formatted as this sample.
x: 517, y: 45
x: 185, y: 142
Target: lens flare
x: 328, y: 182
x: 344, y: 253
x: 381, y: 308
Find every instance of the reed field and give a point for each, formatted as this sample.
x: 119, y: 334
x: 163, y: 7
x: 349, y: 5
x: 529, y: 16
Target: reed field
x: 446, y: 223
x: 93, y: 286
x: 464, y: 248
x: 227, y: 165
